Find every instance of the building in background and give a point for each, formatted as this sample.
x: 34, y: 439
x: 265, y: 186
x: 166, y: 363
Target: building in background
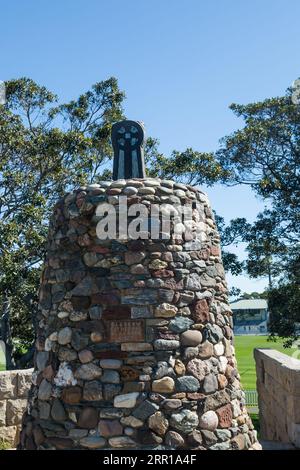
x: 250, y: 316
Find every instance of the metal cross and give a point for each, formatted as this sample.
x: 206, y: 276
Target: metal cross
x: 128, y: 143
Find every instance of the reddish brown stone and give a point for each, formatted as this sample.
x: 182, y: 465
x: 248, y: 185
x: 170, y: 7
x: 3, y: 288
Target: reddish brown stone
x: 71, y: 395
x: 80, y: 302
x: 215, y: 250
x: 222, y: 381
x: 195, y: 438
x: 136, y: 245
x: 129, y: 373
x: 117, y: 313
x: 163, y: 273
x: 134, y: 387
x: 161, y: 334
x: 106, y: 299
x: 48, y: 373
x: 108, y: 428
x: 225, y: 416
x: 88, y: 418
x: 60, y: 443
x: 200, y: 311
x: 172, y: 284
x: 99, y: 249
x: 133, y: 200
x: 113, y: 191
x: 196, y: 396
x: 110, y: 354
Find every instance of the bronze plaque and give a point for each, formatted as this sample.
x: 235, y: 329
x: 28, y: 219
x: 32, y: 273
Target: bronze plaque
x: 123, y: 331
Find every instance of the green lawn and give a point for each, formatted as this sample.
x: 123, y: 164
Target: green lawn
x: 2, y: 358
x: 244, y: 346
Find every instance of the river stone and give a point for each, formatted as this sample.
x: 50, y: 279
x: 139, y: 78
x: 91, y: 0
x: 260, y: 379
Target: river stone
x: 78, y: 433
x: 44, y: 410
x: 95, y: 312
x: 180, y: 324
x: 127, y: 400
x: 131, y: 421
x: 110, y: 377
x: 197, y: 368
x: 191, y: 338
x: 42, y: 359
x: 193, y: 282
x: 165, y: 310
x: 172, y: 404
x: 219, y: 349
x: 174, y: 440
x: 111, y: 390
x: 92, y: 442
x: 85, y: 356
x: 67, y: 354
x: 163, y: 385
x: 223, y: 434
x: 157, y: 264
x: 111, y: 413
x: 185, y: 421
x: 57, y: 411
x: 134, y: 257
x: 45, y: 389
x: 166, y: 345
x: 190, y: 353
x: 209, y: 437
x: 205, y: 350
x: 92, y: 391
x: 121, y: 442
x: 144, y: 410
x: 220, y: 446
x: 158, y: 423
x: 179, y: 367
x: 88, y: 418
x: 110, y: 363
x: 64, y: 336
x: 108, y: 428
x: 209, y: 421
x: 187, y: 383
x: 213, y: 333
x: 210, y: 384
x: 88, y: 372
x: 71, y: 395
x: 130, y: 190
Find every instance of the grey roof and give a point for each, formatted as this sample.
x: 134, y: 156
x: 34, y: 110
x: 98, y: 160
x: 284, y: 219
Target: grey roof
x: 249, y: 304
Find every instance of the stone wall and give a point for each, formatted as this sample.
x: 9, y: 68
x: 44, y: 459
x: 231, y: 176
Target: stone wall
x: 278, y: 385
x: 134, y: 340
x: 14, y: 387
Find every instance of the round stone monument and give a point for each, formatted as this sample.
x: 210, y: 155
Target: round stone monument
x: 134, y: 345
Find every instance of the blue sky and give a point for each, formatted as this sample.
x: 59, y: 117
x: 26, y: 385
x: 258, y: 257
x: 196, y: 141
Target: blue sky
x: 181, y: 64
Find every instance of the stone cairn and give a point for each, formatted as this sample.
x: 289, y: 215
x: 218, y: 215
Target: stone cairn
x: 134, y: 342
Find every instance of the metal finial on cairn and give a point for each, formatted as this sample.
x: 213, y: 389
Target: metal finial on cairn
x: 128, y: 139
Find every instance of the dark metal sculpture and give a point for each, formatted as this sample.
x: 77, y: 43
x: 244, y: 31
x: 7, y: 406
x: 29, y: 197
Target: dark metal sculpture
x: 128, y: 140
